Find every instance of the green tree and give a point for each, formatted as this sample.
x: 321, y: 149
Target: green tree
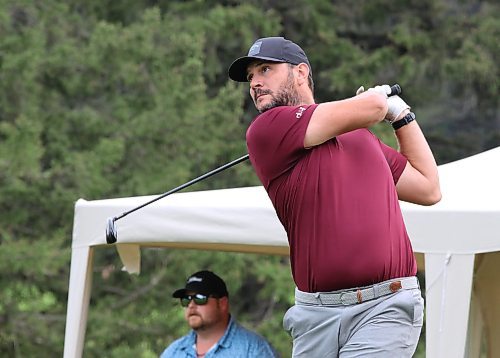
x: 110, y: 98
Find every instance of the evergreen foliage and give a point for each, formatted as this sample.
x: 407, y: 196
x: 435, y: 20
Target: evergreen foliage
x: 104, y: 98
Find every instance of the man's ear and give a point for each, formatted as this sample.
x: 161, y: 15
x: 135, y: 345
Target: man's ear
x: 302, y: 73
x: 224, y: 303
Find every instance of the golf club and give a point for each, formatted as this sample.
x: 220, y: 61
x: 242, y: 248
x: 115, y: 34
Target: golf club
x: 111, y: 232
x: 395, y: 90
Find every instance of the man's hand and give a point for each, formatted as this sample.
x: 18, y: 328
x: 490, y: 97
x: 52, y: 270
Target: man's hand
x: 382, y: 89
x: 396, y: 107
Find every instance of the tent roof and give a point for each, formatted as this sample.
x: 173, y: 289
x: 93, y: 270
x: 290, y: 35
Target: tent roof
x: 471, y: 184
x: 240, y: 216
x: 467, y: 220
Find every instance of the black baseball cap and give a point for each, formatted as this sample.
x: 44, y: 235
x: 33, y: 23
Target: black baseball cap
x: 204, y: 282
x: 273, y: 49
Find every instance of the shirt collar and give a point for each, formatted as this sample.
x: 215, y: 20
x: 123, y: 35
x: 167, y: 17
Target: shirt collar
x: 226, y: 339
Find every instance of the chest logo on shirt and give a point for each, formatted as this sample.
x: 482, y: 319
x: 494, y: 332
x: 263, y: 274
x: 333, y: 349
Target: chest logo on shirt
x: 299, y: 112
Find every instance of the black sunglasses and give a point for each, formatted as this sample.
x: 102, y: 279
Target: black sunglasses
x: 198, y: 298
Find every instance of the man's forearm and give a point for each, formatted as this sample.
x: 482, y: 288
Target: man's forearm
x: 421, y: 182
x: 331, y: 119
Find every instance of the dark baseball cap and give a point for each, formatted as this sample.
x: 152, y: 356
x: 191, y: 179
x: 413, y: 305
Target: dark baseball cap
x: 204, y: 282
x: 273, y: 49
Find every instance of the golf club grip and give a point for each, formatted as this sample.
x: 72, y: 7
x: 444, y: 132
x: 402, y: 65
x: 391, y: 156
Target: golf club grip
x: 395, y: 90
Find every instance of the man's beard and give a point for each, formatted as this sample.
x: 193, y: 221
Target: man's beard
x: 198, y: 324
x: 287, y: 95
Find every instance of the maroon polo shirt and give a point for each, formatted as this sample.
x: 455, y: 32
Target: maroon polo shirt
x: 337, y: 201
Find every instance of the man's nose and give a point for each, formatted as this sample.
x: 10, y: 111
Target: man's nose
x: 192, y: 304
x: 255, y: 82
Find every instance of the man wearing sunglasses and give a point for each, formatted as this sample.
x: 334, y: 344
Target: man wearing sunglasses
x: 214, y: 332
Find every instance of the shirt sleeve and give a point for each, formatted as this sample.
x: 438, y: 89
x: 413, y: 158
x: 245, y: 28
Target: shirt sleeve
x: 275, y: 139
x: 169, y: 352
x: 176, y: 348
x: 397, y: 161
x: 259, y: 346
x: 264, y: 350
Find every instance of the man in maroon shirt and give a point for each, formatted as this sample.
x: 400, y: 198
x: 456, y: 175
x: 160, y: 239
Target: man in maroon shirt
x: 335, y: 188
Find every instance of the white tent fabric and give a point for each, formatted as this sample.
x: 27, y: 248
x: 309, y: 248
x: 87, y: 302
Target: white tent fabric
x: 459, y: 239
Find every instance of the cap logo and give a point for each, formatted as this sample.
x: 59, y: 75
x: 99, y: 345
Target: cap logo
x: 194, y: 279
x: 255, y: 49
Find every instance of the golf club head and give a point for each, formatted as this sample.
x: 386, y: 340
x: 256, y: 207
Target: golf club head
x: 111, y: 234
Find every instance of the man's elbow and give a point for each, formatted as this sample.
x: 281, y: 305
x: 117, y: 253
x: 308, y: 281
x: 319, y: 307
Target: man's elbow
x: 434, y: 196
x: 375, y: 107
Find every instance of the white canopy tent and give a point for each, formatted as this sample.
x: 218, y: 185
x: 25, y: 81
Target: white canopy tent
x: 459, y: 240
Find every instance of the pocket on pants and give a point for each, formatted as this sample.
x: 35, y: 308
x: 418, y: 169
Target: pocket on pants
x: 418, y: 308
x: 288, y: 321
x: 418, y: 320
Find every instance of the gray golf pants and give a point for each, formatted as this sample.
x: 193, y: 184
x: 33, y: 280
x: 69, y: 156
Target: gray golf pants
x: 387, y: 326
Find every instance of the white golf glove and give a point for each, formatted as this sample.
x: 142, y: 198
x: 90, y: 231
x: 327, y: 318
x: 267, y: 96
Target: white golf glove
x: 396, y: 107
x: 382, y: 89
x: 360, y: 90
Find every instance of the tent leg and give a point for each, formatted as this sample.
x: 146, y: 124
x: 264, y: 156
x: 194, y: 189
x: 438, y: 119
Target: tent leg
x: 448, y: 292
x: 487, y: 289
x: 80, y: 283
x: 475, y: 328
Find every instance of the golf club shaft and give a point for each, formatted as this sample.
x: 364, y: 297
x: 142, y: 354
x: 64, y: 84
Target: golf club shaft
x: 185, y: 185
